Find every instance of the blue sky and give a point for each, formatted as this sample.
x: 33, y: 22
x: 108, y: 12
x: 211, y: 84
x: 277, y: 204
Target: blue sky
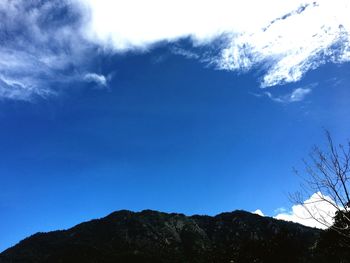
x: 99, y: 116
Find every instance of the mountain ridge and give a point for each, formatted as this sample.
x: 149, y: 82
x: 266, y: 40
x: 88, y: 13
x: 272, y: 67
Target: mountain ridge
x: 152, y: 236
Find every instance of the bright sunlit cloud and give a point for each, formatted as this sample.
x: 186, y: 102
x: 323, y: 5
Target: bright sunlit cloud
x: 288, y: 38
x: 258, y: 212
x: 322, y: 211
x: 136, y: 24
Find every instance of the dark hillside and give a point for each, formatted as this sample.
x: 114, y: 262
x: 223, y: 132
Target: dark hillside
x: 151, y: 236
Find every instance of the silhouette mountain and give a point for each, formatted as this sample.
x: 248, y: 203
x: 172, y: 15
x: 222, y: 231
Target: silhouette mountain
x: 151, y: 236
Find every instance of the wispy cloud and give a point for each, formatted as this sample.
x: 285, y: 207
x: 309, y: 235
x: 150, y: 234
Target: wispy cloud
x: 40, y: 47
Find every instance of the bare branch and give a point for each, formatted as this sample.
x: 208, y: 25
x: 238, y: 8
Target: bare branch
x: 327, y: 174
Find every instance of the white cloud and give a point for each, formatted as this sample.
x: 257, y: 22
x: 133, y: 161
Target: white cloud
x: 136, y: 23
x: 46, y: 42
x: 100, y: 80
x: 296, y: 95
x: 288, y: 37
x: 320, y: 209
x: 258, y: 212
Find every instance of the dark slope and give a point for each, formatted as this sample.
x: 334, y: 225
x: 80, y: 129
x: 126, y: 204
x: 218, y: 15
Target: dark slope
x: 151, y: 236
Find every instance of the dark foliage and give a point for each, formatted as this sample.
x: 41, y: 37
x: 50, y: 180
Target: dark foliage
x: 333, y: 244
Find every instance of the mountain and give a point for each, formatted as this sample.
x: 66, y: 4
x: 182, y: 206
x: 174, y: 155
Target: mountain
x: 151, y: 236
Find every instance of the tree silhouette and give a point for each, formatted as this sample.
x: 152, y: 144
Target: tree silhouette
x: 327, y: 174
